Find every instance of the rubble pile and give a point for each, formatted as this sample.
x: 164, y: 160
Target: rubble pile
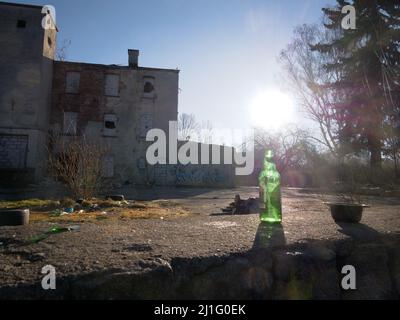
x: 239, y: 206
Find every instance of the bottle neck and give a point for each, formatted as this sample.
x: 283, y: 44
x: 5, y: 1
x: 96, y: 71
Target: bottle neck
x: 268, y: 164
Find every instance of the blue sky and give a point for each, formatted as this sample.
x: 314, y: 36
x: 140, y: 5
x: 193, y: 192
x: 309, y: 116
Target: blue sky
x: 226, y: 49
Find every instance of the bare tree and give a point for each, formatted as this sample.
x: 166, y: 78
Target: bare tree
x: 287, y: 144
x: 76, y: 162
x: 187, y: 126
x: 306, y: 72
x: 61, y: 53
x: 206, y: 132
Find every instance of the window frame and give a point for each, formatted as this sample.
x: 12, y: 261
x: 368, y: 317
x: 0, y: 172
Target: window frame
x: 66, y: 82
x: 105, y: 85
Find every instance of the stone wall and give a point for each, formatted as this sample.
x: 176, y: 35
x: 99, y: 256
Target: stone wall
x: 308, y: 270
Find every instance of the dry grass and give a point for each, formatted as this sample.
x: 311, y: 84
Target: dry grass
x: 32, y: 204
x: 41, y: 210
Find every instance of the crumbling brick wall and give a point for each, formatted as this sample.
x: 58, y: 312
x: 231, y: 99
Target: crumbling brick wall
x: 89, y: 102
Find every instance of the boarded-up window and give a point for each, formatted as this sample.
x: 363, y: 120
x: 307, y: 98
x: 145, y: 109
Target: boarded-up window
x: 145, y: 124
x: 148, y: 87
x: 112, y: 85
x: 13, y: 151
x: 110, y: 125
x: 108, y: 166
x: 72, y: 82
x: 70, y: 123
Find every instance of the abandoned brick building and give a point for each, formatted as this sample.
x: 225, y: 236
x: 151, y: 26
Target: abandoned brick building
x: 115, y: 104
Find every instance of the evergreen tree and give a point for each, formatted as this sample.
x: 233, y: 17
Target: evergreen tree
x: 368, y: 66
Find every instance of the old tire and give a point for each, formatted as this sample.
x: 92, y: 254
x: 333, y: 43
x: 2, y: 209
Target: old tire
x: 18, y: 217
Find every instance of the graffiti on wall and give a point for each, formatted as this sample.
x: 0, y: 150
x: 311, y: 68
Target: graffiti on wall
x: 187, y: 175
x: 204, y: 175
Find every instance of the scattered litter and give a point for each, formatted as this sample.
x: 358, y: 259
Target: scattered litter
x: 94, y: 207
x: 74, y: 228
x: 69, y: 210
x: 51, y: 231
x: 116, y: 197
x: 296, y: 253
x: 56, y: 213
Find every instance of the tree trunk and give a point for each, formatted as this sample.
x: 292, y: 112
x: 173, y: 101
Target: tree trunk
x: 375, y: 150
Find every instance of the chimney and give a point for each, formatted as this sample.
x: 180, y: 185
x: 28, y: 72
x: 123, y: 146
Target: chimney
x: 133, y: 58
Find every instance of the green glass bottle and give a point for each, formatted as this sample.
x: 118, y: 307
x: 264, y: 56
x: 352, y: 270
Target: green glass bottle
x: 270, y: 191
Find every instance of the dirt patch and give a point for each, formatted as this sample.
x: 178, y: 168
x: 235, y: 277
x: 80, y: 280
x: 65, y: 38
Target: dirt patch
x: 124, y: 244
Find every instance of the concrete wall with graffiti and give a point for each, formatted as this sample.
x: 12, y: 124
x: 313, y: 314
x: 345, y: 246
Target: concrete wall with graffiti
x: 205, y: 175
x: 195, y: 175
x: 191, y: 175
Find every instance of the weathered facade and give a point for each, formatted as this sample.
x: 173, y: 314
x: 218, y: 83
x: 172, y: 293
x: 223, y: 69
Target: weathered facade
x: 114, y: 105
x: 26, y: 72
x: 117, y: 106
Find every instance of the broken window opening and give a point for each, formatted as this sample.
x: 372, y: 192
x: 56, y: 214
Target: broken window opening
x: 21, y: 24
x: 110, y: 125
x: 49, y: 42
x: 148, y: 87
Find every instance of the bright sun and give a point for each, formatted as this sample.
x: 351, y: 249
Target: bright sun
x: 271, y: 109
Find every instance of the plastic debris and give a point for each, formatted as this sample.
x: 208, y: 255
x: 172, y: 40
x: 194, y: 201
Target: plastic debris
x: 69, y: 210
x: 94, y: 207
x: 56, y: 213
x: 52, y: 231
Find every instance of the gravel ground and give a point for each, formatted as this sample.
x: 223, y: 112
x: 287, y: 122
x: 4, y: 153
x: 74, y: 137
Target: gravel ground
x: 127, y: 245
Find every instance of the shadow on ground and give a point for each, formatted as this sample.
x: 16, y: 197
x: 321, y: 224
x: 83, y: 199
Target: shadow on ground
x: 359, y: 231
x: 269, y: 236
